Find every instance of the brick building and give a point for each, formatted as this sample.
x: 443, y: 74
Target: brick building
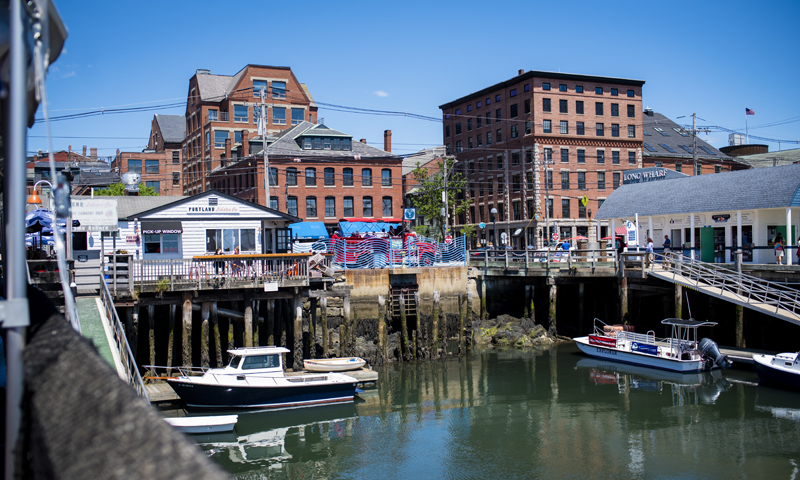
x: 543, y: 136
x: 222, y: 111
x: 161, y: 163
x: 317, y: 174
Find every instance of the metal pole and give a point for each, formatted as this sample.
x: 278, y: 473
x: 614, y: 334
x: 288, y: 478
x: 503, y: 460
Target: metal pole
x: 264, y: 147
x: 444, y: 198
x: 694, y: 143
x: 16, y: 275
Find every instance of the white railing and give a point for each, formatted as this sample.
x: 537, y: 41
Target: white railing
x: 121, y: 342
x: 544, y: 258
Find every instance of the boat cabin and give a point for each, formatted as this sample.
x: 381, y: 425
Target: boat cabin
x: 254, y: 360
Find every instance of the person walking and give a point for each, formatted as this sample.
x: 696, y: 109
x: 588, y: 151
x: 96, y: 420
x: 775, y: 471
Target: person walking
x: 648, y: 248
x: 667, y: 244
x: 779, y: 251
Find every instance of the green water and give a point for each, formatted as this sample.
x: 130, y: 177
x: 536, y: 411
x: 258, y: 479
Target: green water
x: 512, y: 414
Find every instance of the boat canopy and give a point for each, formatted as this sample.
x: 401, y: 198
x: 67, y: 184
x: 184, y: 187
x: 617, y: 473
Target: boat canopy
x: 248, y: 351
x: 349, y: 226
x: 687, y: 323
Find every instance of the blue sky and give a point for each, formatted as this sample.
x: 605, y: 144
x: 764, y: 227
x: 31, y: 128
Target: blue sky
x: 712, y: 58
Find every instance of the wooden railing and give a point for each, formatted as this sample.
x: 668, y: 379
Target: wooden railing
x: 266, y: 271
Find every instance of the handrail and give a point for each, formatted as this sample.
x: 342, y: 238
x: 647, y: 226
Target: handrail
x: 543, y: 258
x: 746, y: 288
x: 134, y: 379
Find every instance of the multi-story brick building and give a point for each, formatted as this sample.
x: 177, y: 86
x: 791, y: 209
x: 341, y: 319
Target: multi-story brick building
x: 223, y: 110
x: 317, y: 174
x: 541, y: 142
x: 161, y: 163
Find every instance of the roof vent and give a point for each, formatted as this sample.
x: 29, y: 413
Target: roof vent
x: 202, y: 70
x: 213, y: 201
x: 521, y: 71
x: 648, y: 111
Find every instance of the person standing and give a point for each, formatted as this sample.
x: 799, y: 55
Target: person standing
x: 648, y: 248
x: 779, y: 251
x: 667, y: 244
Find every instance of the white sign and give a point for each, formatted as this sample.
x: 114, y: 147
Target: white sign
x: 631, y: 228
x: 95, y: 214
x: 448, y: 239
x: 271, y: 286
x: 212, y: 209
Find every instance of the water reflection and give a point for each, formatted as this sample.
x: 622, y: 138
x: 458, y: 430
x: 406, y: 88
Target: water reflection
x: 513, y: 414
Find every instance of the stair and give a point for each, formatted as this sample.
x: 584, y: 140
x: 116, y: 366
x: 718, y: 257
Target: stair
x: 409, y: 304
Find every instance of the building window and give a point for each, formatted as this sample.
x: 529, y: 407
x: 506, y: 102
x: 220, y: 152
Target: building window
x: 631, y: 131
x: 496, y: 98
x: 347, y: 206
x: 527, y: 106
x: 176, y: 156
x: 311, y: 177
x: 717, y: 169
x: 471, y: 167
x: 500, y: 185
x: 548, y: 154
x: 469, y: 124
x: 176, y: 178
x: 516, y: 182
x: 488, y: 118
x: 526, y: 88
x: 527, y: 128
x: 630, y: 93
x: 516, y: 206
x: 598, y: 108
x: 564, y: 127
x: 278, y: 115
x: 581, y: 180
x: 562, y: 87
x: 469, y: 107
x: 458, y: 146
x: 240, y: 113
x: 311, y: 207
x: 291, y: 205
x: 347, y: 177
x: 366, y: 206
x: 615, y: 109
x: 515, y: 159
x: 564, y: 155
x: 330, y: 207
x: 257, y: 87
x: 134, y: 166
x: 581, y: 210
x: 579, y: 128
x: 547, y: 126
x: 458, y: 128
x: 298, y: 114
x: 615, y: 130
x: 219, y: 138
x: 545, y: 104
x: 631, y: 158
x: 614, y: 92
x: 550, y: 209
x: 548, y: 179
x: 599, y: 129
x: 581, y: 156
x: 513, y: 92
x: 478, y: 121
x: 273, y: 176
x: 499, y: 162
x: 278, y: 89
x: 488, y: 138
x: 601, y: 156
x: 499, y: 135
x: 565, y: 208
x: 469, y: 142
x: 579, y: 107
x: 366, y: 177
x: 330, y: 177
x: 151, y: 166
x: 578, y: 88
x: 291, y: 177
x: 489, y: 186
x: 678, y: 167
x: 154, y: 185
x: 562, y: 106
x: 598, y: 90
x: 273, y: 203
x: 386, y: 177
x: 512, y: 111
x: 514, y: 131
x: 601, y: 180
x: 498, y: 115
x: 529, y: 158
x: 564, y: 180
x: 615, y: 180
x: 387, y: 206
x: 545, y: 86
x: 447, y: 131
x: 615, y: 157
x: 631, y: 111
x: 658, y: 164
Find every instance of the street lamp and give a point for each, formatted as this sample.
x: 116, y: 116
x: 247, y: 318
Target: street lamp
x: 493, y: 211
x: 34, y: 199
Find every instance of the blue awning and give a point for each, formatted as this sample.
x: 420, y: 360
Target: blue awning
x: 309, y: 231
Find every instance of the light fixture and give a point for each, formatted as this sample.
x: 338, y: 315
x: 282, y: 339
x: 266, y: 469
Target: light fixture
x: 34, y: 199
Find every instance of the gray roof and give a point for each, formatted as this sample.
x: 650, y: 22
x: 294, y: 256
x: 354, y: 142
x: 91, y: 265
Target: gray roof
x: 676, y: 138
x: 423, y: 157
x: 173, y: 127
x: 128, y: 207
x: 286, y: 144
x: 774, y: 187
x: 212, y: 88
x: 771, y: 159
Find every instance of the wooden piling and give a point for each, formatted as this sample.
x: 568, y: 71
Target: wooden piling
x: 342, y: 337
x: 186, y: 333
x: 581, y: 297
x: 462, y: 313
x: 312, y: 326
x: 256, y: 322
x: 151, y: 332
x: 404, y: 328
x: 134, y: 338
x: 381, y: 354
x: 435, y: 325
x: 623, y: 304
x: 678, y: 300
x: 171, y: 338
x: 270, y: 322
x: 527, y: 312
x: 285, y: 313
x: 215, y: 334
x: 551, y: 312
x: 418, y: 327
x: 248, y: 321
x: 348, y: 320
x: 483, y: 299
x: 297, y: 310
x: 740, y: 343
x: 323, y: 311
x: 205, y: 312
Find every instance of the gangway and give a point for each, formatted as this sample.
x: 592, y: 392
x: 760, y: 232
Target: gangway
x: 770, y: 298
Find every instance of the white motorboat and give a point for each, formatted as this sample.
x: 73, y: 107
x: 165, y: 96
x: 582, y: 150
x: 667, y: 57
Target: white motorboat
x: 782, y: 370
x: 254, y: 378
x: 341, y: 364
x: 209, y: 424
x: 681, y: 352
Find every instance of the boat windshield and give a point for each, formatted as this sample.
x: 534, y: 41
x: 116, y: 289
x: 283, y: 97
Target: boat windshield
x: 235, y: 359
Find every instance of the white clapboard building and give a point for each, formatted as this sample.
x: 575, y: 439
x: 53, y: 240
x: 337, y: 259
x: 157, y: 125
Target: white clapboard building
x: 152, y: 228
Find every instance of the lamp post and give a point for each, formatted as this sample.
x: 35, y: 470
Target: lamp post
x: 34, y: 199
x: 493, y: 211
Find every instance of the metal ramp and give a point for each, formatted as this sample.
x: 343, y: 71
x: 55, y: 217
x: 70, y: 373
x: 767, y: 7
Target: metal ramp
x: 774, y: 299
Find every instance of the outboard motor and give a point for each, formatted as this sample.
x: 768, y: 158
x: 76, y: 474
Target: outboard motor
x: 709, y: 349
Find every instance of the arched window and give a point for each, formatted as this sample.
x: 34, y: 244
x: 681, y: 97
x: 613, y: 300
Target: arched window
x: 311, y: 177
x: 386, y: 177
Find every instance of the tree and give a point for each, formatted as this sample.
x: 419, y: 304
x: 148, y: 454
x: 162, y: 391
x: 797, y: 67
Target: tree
x: 118, y: 190
x: 428, y: 197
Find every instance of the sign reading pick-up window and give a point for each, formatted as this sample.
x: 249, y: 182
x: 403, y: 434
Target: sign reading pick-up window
x: 167, y: 226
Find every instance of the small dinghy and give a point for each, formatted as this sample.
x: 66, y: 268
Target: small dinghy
x: 209, y: 424
x: 342, y: 364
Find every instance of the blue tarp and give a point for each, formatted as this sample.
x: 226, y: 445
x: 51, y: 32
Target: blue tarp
x: 309, y: 231
x: 349, y: 228
x: 644, y: 348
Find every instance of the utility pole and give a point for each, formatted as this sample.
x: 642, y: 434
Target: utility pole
x: 547, y: 200
x: 694, y: 142
x: 444, y: 198
x: 262, y: 130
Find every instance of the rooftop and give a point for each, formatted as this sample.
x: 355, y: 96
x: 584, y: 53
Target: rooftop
x: 173, y: 127
x: 771, y: 159
x: 665, y: 138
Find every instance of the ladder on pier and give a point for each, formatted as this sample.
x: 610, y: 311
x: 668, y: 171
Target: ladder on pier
x: 409, y: 304
x: 771, y: 298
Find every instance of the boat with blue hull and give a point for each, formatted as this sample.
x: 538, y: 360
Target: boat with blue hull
x: 781, y: 370
x: 681, y: 352
x: 254, y: 378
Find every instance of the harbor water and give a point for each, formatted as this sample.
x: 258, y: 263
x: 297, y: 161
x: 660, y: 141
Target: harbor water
x: 499, y: 414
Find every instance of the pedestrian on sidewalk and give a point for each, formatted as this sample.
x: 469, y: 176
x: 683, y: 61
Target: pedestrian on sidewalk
x: 779, y: 251
x: 648, y: 248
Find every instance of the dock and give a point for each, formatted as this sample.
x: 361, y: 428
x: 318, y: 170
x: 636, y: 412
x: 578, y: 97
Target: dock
x: 160, y: 392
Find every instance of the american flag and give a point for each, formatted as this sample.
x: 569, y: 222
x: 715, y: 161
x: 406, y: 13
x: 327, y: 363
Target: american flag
x: 747, y: 111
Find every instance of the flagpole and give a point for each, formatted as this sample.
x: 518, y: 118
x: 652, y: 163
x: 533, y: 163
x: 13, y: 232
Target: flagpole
x: 746, y: 130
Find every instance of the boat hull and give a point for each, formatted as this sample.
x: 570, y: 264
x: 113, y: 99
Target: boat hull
x: 334, y: 365
x: 216, y: 424
x: 775, y: 376
x: 203, y: 395
x: 635, y: 358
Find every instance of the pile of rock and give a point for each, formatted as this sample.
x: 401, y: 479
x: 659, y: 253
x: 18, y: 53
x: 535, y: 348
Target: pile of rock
x: 508, y: 331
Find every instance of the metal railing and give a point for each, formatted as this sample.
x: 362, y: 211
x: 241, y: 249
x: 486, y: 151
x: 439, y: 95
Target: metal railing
x: 550, y: 258
x: 217, y: 117
x: 745, y: 288
x: 127, y: 359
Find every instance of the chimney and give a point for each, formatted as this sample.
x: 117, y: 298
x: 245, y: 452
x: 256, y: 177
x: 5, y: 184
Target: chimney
x: 387, y: 141
x: 84, y: 150
x: 245, y: 143
x: 363, y: 140
x: 521, y: 71
x: 93, y: 153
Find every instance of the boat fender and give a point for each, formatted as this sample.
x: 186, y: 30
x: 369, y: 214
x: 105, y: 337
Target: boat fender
x: 709, y: 348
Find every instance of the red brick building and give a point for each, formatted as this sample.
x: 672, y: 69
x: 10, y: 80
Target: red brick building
x: 540, y: 142
x: 317, y: 174
x: 222, y: 111
x: 161, y: 163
